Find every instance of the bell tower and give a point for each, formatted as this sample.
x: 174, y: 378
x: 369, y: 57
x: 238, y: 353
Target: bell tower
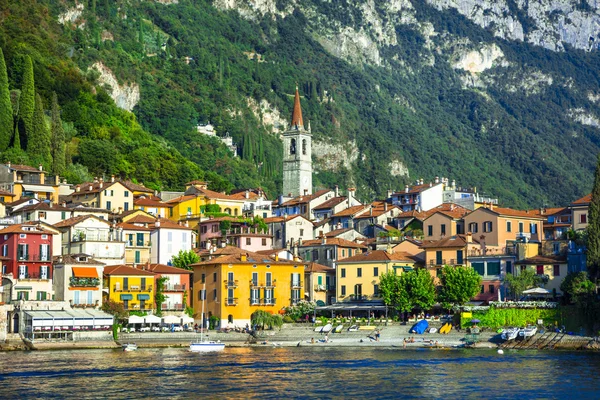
x: 297, y: 155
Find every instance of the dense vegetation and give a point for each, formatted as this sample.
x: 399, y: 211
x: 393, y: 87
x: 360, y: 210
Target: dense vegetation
x: 196, y: 64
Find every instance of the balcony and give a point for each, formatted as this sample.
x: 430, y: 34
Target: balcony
x: 130, y: 244
x: 231, y: 284
x: 268, y: 284
x: 37, y: 276
x: 138, y: 307
x: 320, y: 288
x: 133, y: 288
x: 296, y: 284
x: 85, y: 305
x: 439, y: 261
x: 171, y: 307
x: 84, y: 282
x: 174, y: 288
x: 231, y: 301
x: 504, y: 251
x: 34, y: 257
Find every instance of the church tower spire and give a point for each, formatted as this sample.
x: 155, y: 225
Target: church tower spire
x: 297, y: 155
x: 297, y: 113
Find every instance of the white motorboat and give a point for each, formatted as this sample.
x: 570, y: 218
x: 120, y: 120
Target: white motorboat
x: 528, y: 332
x: 205, y: 345
x: 510, y: 334
x: 129, y: 347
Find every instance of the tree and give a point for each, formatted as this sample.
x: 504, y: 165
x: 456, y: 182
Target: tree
x: 262, y: 319
x: 579, y: 289
x: 389, y: 289
x: 6, y: 111
x: 159, y: 296
x: 38, y: 145
x: 459, y: 285
x: 593, y: 229
x: 58, y: 139
x: 420, y: 289
x: 518, y: 283
x: 184, y: 259
x: 26, y: 105
x: 115, y: 309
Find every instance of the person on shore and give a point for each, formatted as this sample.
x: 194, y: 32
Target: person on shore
x: 377, y: 335
x: 404, y: 343
x: 312, y: 340
x: 326, y: 339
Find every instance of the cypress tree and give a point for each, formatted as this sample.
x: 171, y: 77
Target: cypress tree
x: 38, y: 145
x: 6, y: 110
x: 593, y: 229
x: 58, y: 139
x: 26, y: 105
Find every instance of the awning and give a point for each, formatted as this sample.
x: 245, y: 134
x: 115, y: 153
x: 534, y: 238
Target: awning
x: 143, y: 297
x: 38, y: 188
x: 126, y: 297
x: 134, y: 319
x: 407, y: 268
x: 85, y: 272
x: 23, y: 288
x: 152, y: 319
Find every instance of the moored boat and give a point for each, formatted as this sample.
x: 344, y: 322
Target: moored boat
x: 206, y: 346
x: 129, y: 347
x: 509, y: 334
x: 528, y: 331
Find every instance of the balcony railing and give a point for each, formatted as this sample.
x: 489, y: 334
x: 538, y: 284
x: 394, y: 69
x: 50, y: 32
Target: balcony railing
x: 257, y: 284
x: 320, y: 288
x: 174, y: 288
x: 138, y: 307
x: 231, y: 301
x: 85, y: 305
x: 171, y: 307
x: 139, y: 244
x: 33, y: 276
x: 84, y: 282
x: 504, y: 251
x: 231, y: 284
x: 296, y: 284
x: 34, y: 257
x: 132, y: 288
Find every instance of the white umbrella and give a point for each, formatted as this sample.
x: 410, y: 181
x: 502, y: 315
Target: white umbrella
x: 187, y: 320
x: 171, y: 319
x: 134, y: 319
x: 152, y: 319
x: 537, y: 290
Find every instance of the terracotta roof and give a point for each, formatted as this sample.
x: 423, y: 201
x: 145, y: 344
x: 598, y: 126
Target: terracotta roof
x: 584, y: 200
x: 350, y: 211
x: 219, y: 251
x: 168, y: 224
x: 252, y: 194
x: 124, y: 270
x: 210, y: 194
x: 333, y: 241
x: 337, y: 232
x: 546, y: 212
x: 252, y: 258
x: 43, y: 206
x: 448, y: 241
x: 20, y: 201
x: 271, y: 220
x: 19, y: 228
x: 270, y: 252
x: 21, y: 167
x: 379, y: 256
x: 166, y: 269
x: 134, y: 187
x: 75, y: 220
x: 96, y: 187
x: 513, y: 213
x: 540, y: 260
x: 315, y: 267
x: 453, y: 211
x: 6, y: 193
x: 131, y: 227
x: 413, y: 214
x: 330, y: 203
x: 416, y: 189
x: 181, y: 198
x: 297, y: 112
x: 304, y: 199
x: 74, y: 259
x: 151, y: 203
x: 141, y: 219
x: 318, y: 224
x: 379, y: 208
x: 197, y: 182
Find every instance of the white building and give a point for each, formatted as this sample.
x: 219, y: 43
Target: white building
x: 167, y: 239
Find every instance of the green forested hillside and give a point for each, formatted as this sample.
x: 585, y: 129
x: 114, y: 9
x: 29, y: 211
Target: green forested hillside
x: 196, y: 64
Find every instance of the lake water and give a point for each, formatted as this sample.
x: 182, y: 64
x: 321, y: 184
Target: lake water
x: 243, y: 373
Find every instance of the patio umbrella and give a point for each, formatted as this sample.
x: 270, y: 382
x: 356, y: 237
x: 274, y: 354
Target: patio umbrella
x: 537, y: 290
x: 152, y: 319
x: 134, y: 319
x: 171, y: 319
x: 475, y: 321
x: 186, y: 319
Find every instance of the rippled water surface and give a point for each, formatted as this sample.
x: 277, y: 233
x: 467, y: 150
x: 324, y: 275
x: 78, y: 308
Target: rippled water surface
x: 299, y: 372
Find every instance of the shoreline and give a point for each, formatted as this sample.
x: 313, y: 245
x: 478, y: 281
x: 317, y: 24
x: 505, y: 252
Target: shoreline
x: 300, y: 335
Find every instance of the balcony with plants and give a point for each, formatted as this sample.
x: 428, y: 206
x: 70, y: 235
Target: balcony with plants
x: 84, y: 282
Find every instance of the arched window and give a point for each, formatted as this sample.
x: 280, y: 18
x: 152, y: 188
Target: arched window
x: 230, y: 318
x: 303, y: 146
x: 293, y: 147
x: 235, y: 212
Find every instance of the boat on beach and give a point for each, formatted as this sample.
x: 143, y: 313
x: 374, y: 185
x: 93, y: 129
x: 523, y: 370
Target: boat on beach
x: 129, y: 347
x: 205, y: 345
x: 509, y: 334
x: 528, y: 331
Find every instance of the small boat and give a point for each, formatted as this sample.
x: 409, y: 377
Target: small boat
x: 528, y: 331
x: 324, y: 329
x: 353, y: 328
x: 432, y: 330
x: 338, y: 328
x: 129, y: 347
x: 205, y: 345
x: 509, y: 334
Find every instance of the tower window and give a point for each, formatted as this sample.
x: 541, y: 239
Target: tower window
x: 293, y: 146
x: 304, y: 147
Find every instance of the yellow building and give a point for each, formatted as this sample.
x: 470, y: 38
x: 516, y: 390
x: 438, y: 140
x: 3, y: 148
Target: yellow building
x: 113, y: 195
x: 552, y: 270
x: 238, y: 283
x: 358, y: 276
x: 25, y: 181
x: 193, y: 204
x: 319, y: 283
x: 132, y: 287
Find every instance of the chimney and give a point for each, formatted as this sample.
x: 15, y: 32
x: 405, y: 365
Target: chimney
x: 95, y: 179
x: 437, y: 179
x: 247, y: 194
x: 406, y: 189
x: 491, y: 206
x: 299, y: 242
x: 385, y: 206
x: 323, y: 240
x: 351, y: 196
x: 8, y: 164
x: 469, y: 237
x: 453, y: 184
x: 91, y: 187
x: 337, y: 191
x: 421, y: 181
x: 542, y: 211
x: 77, y: 188
x: 157, y: 224
x: 305, y: 192
x: 390, y: 193
x: 371, y: 210
x: 40, y: 167
x: 244, y: 257
x: 112, y: 178
x: 388, y: 249
x: 276, y: 256
x: 430, y: 184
